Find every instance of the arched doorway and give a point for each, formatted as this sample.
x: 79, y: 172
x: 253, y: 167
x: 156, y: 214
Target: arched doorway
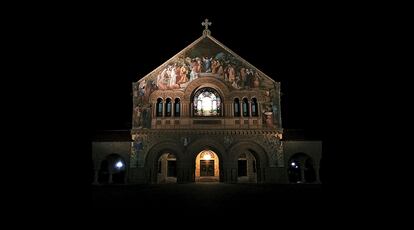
x: 207, y: 167
x: 249, y: 162
x: 301, y: 169
x: 167, y: 168
x: 246, y: 168
x: 112, y: 170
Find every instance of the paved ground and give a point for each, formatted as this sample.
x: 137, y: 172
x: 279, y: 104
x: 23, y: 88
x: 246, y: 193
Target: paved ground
x: 204, y: 196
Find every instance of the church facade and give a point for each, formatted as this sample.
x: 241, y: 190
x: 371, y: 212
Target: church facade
x: 206, y: 115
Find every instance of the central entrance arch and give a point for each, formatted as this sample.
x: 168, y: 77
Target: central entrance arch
x: 207, y: 167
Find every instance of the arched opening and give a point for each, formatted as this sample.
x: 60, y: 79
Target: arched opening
x: 301, y: 169
x: 206, y: 103
x: 255, y: 112
x: 167, y: 168
x: 236, y: 107
x: 250, y: 162
x: 112, y: 170
x: 246, y: 168
x: 177, y: 107
x: 168, y: 107
x: 245, y: 107
x: 207, y: 167
x: 159, y: 107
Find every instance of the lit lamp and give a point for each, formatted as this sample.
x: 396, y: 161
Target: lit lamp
x: 119, y: 165
x: 207, y: 157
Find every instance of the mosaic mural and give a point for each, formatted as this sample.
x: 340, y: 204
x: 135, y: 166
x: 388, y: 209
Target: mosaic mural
x: 205, y: 59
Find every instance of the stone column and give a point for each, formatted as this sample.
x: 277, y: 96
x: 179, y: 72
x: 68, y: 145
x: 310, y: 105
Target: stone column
x: 96, y: 177
x: 318, y: 180
x: 228, y: 111
x: 126, y: 176
x: 228, y: 175
x: 184, y: 169
x: 302, y: 174
x: 234, y: 175
x: 110, y: 178
x: 241, y: 109
x: 180, y: 172
x: 163, y: 108
x: 151, y: 177
x: 250, y: 108
x: 186, y: 109
x: 260, y: 114
x: 230, y: 172
x: 172, y: 109
x: 182, y: 110
x: 263, y: 175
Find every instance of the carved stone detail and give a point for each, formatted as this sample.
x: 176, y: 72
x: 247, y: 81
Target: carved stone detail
x: 274, y: 148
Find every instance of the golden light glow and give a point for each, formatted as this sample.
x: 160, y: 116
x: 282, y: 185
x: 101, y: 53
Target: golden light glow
x: 207, y: 156
x: 207, y: 167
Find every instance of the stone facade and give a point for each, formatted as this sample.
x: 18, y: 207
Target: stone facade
x: 207, y: 98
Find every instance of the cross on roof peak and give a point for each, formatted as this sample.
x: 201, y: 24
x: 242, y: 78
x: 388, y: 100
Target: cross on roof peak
x: 206, y: 31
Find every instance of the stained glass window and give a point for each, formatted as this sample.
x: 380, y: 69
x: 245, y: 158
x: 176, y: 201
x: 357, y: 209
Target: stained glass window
x: 168, y: 107
x: 236, y: 107
x: 177, y: 107
x: 207, y: 103
x: 159, y: 107
x: 255, y: 113
x: 245, y: 107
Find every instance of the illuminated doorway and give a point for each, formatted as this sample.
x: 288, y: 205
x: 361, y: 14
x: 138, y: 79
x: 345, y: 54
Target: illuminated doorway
x: 207, y: 167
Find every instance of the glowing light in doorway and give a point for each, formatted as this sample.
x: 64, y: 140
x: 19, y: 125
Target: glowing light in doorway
x: 207, y: 157
x: 119, y: 164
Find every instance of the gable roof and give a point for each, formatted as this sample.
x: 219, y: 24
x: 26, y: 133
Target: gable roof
x: 204, y: 40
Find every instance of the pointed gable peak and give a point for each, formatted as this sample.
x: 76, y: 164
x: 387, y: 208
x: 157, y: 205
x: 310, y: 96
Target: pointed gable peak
x: 206, y: 56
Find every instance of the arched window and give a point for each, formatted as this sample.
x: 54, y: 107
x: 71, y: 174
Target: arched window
x: 245, y: 107
x: 236, y: 107
x: 255, y: 113
x: 177, y: 107
x: 159, y: 107
x: 168, y: 107
x: 207, y: 103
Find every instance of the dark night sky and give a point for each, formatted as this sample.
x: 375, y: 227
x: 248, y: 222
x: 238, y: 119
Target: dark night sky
x: 292, y: 46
